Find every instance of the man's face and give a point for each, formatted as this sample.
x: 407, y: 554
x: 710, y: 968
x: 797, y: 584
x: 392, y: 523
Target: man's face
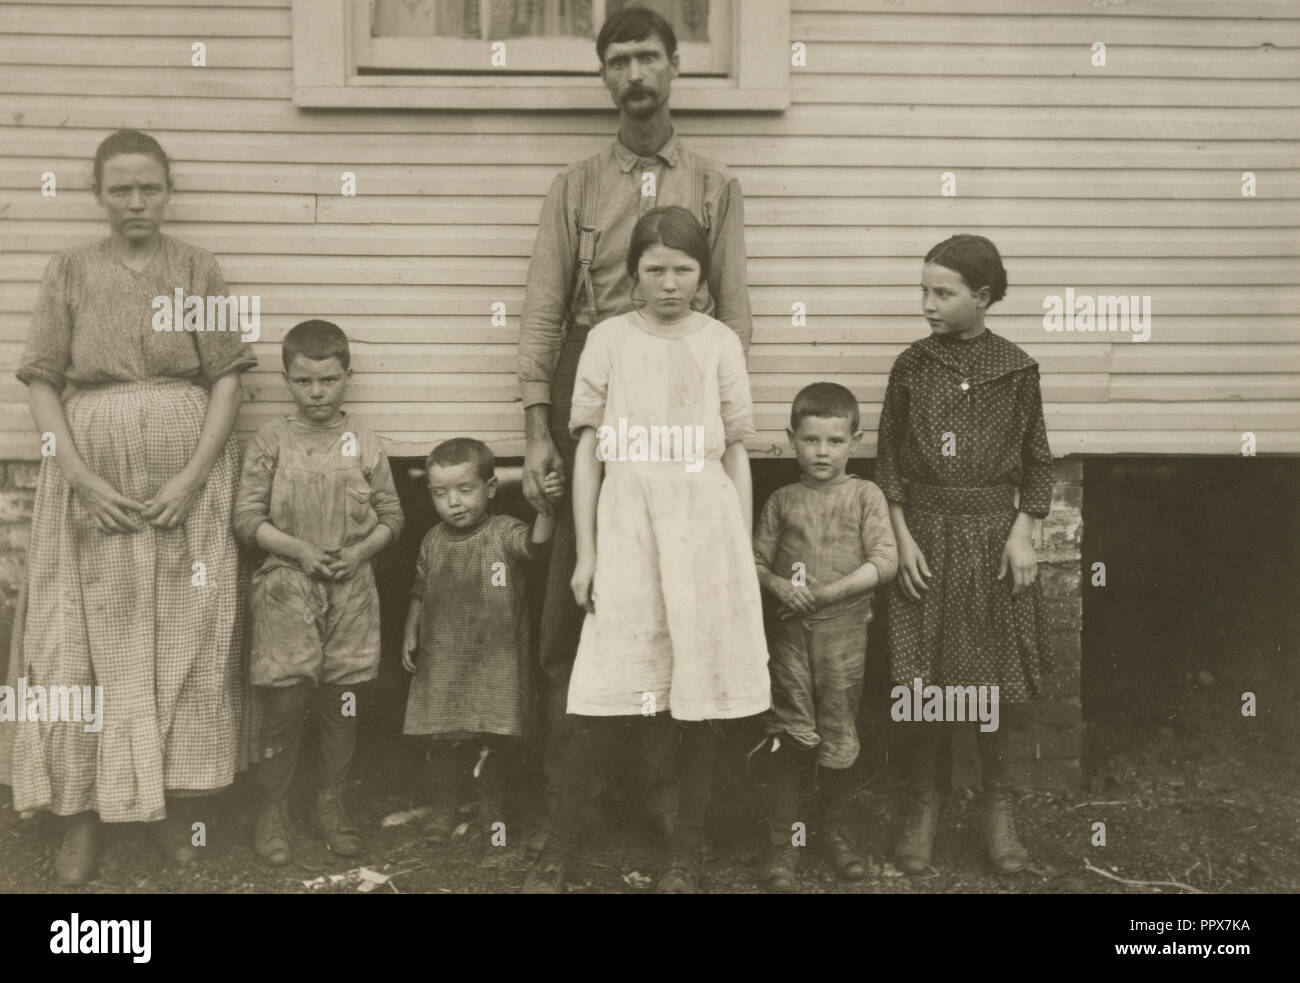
x: 639, y: 75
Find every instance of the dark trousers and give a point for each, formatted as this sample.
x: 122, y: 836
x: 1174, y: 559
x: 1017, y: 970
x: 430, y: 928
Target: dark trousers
x: 284, y: 708
x: 786, y: 772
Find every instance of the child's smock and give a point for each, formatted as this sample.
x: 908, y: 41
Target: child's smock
x: 472, y: 673
x: 678, y: 618
x: 330, y: 486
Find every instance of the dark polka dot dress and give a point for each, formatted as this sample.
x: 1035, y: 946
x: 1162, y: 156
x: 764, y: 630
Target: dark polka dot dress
x: 963, y: 447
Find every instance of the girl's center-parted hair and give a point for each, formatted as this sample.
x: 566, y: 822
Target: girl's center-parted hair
x: 671, y: 226
x: 825, y: 399
x: 635, y: 24
x: 316, y: 340
x: 976, y: 260
x: 129, y: 142
x: 458, y: 450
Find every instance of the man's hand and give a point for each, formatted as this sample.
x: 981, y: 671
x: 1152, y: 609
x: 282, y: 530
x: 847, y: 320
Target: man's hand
x: 541, y: 458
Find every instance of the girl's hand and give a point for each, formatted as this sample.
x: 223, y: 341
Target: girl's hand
x: 173, y: 501
x: 1019, y: 556
x: 583, y: 584
x: 410, y: 646
x: 315, y: 562
x: 553, y: 485
x: 344, y: 562
x: 107, y: 506
x: 913, y: 571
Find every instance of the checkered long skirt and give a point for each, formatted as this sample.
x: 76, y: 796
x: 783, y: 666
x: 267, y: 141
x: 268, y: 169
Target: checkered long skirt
x: 155, y: 618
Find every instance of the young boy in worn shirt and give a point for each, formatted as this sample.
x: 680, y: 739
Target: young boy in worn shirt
x: 466, y: 637
x: 317, y: 494
x: 823, y: 545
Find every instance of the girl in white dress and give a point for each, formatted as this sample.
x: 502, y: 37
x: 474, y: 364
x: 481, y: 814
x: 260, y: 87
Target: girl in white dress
x: 663, y: 512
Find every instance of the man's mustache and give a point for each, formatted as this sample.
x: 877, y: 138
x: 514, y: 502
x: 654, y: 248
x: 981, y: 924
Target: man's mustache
x: 638, y: 91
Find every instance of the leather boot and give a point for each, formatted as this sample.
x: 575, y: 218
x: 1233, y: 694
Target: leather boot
x: 78, y: 855
x: 837, y: 801
x: 271, y: 834
x: 684, y: 871
x: 175, y: 834
x: 549, y: 875
x: 1007, y: 854
x: 920, y: 823
x: 446, y: 766
x: 332, y: 822
x: 780, y: 871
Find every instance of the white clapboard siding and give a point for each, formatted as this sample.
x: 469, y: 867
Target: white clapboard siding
x: 1124, y: 180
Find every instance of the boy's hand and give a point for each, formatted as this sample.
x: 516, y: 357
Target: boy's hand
x: 315, y: 562
x: 410, y: 646
x: 343, y: 562
x: 796, y: 599
x: 553, y: 485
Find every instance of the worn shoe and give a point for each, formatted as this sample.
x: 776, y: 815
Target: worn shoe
x: 1007, y: 854
x: 683, y: 873
x: 332, y: 822
x: 271, y: 834
x: 920, y: 823
x: 780, y: 871
x: 442, y: 820
x: 79, y: 853
x: 548, y: 875
x: 845, y: 857
x: 174, y: 835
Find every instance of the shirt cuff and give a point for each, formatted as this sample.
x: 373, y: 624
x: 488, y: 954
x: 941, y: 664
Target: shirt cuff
x: 534, y: 393
x: 29, y: 372
x: 581, y: 417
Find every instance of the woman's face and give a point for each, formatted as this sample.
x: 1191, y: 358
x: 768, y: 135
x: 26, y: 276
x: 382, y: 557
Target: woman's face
x: 668, y: 279
x: 949, y: 305
x: 133, y: 190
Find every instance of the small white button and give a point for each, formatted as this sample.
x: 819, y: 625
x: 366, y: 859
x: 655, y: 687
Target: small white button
x: 965, y: 386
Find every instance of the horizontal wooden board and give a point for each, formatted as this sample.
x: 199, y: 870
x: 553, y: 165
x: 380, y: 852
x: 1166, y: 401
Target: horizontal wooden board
x: 910, y: 241
x: 530, y: 180
x: 145, y: 54
x: 139, y: 20
x: 57, y: 136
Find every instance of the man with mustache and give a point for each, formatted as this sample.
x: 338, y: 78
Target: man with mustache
x: 579, y: 279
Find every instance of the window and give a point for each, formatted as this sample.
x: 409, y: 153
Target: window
x: 526, y: 54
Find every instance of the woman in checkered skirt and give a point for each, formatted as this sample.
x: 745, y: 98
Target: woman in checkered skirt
x: 133, y: 580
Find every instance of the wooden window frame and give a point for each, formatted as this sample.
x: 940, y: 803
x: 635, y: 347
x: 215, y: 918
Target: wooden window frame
x: 325, y: 76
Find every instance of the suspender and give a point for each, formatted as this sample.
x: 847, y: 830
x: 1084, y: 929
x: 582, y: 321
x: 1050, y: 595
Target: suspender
x: 587, y: 240
x: 587, y: 228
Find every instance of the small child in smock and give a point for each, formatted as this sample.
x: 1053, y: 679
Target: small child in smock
x: 823, y: 545
x: 317, y: 494
x: 466, y: 637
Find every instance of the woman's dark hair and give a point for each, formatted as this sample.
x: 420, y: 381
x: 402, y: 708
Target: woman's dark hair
x: 976, y: 259
x: 671, y: 226
x: 316, y: 340
x: 130, y: 142
x: 458, y: 450
x: 825, y: 399
x: 635, y: 23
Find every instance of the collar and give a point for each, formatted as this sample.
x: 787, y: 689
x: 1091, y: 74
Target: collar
x: 627, y: 158
x: 1000, y: 357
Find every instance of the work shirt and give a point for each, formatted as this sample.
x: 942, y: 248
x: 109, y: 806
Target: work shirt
x: 620, y: 202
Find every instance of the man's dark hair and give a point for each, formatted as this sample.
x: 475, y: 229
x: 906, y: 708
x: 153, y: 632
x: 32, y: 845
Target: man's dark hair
x: 635, y: 23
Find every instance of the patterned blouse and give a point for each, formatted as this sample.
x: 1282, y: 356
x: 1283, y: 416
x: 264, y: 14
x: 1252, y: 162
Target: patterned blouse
x: 965, y: 413
x: 94, y: 320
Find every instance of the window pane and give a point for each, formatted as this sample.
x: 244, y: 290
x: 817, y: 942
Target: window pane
x: 539, y: 18
x: 689, y: 18
x: 422, y: 18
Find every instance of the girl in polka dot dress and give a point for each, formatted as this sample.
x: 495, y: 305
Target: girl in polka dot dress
x: 964, y: 462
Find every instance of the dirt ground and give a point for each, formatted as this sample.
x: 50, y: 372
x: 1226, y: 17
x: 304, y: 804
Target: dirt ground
x: 1207, y: 799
